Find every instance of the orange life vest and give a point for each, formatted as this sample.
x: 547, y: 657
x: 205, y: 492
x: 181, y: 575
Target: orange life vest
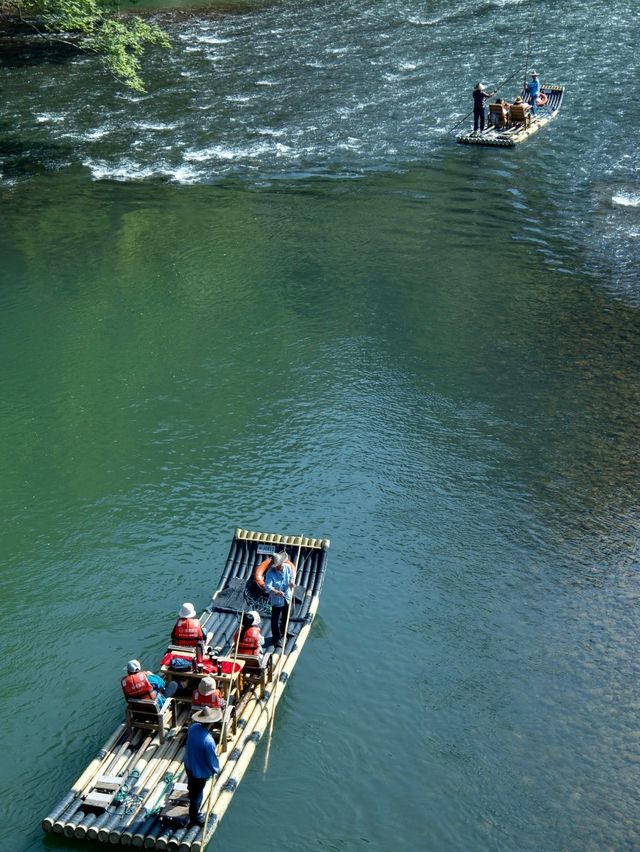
x: 187, y: 632
x: 212, y: 700
x: 249, y: 644
x: 137, y: 685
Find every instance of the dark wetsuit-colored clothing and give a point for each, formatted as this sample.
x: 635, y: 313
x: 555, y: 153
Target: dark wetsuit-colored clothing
x: 479, y: 99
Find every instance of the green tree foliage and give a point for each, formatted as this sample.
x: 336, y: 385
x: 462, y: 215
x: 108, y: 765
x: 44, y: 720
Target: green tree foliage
x: 96, y: 26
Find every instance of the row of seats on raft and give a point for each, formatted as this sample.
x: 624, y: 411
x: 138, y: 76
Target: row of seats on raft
x: 517, y: 115
x: 145, y: 714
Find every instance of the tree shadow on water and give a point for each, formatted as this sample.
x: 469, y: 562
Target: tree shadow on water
x: 23, y: 45
x: 21, y: 158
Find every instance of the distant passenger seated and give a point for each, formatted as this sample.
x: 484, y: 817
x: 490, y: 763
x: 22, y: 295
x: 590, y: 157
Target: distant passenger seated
x: 206, y: 695
x: 138, y: 685
x: 187, y: 631
x: 251, y: 639
x: 520, y: 112
x: 499, y: 114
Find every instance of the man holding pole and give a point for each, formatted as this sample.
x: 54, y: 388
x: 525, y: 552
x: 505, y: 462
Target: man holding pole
x: 200, y: 759
x: 279, y: 581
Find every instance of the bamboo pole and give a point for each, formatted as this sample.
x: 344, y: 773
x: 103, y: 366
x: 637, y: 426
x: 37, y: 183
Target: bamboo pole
x: 282, y: 656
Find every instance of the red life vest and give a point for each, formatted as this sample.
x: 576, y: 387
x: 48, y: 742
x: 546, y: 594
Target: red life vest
x: 137, y: 685
x: 212, y: 700
x: 187, y: 632
x: 249, y: 642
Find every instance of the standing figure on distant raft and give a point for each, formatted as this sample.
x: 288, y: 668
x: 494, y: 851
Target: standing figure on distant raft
x: 140, y: 686
x: 200, y: 759
x: 279, y: 581
x: 187, y: 631
x: 251, y: 638
x: 533, y: 91
x: 479, y: 98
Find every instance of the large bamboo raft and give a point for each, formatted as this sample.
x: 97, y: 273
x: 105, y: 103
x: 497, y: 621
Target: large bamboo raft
x: 517, y: 133
x: 133, y: 792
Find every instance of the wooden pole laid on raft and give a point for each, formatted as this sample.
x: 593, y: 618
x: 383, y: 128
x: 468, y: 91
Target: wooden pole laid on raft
x: 223, y: 727
x: 282, y: 655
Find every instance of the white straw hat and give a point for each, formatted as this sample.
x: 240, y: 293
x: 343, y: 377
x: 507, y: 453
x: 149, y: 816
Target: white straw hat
x: 208, y: 715
x: 187, y: 610
x: 255, y: 616
x: 278, y: 558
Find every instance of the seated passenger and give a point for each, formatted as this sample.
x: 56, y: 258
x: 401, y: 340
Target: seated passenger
x: 206, y: 695
x: 138, y: 685
x: 187, y: 631
x: 499, y: 114
x: 251, y: 639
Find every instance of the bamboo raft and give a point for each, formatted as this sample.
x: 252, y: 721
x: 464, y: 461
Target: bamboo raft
x: 133, y: 792
x: 517, y: 133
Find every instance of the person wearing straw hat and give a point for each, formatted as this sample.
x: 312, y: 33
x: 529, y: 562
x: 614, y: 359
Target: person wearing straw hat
x: 533, y: 91
x: 187, y: 631
x: 139, y: 686
x: 279, y: 581
x: 480, y: 95
x: 206, y: 695
x: 200, y: 759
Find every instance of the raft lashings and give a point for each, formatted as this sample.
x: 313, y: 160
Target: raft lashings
x: 141, y: 771
x: 511, y: 136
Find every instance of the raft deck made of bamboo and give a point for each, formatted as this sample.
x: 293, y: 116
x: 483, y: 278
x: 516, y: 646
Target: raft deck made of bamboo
x: 133, y: 792
x: 511, y: 136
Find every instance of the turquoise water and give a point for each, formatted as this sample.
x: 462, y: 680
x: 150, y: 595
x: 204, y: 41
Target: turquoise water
x: 426, y: 353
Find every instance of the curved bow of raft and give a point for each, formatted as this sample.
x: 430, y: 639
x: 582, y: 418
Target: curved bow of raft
x: 518, y: 131
x: 133, y: 792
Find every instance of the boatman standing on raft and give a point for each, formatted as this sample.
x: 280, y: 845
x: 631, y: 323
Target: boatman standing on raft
x: 279, y: 581
x: 200, y: 759
x: 479, y: 98
x: 533, y: 91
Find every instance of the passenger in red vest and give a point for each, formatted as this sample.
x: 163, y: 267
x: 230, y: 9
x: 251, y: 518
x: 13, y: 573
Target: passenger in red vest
x: 251, y: 638
x: 140, y: 685
x: 206, y: 695
x: 187, y: 631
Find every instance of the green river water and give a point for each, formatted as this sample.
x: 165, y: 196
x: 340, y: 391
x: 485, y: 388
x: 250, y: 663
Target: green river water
x: 428, y: 354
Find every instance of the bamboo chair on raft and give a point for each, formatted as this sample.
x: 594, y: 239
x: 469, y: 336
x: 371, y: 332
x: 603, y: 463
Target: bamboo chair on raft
x: 146, y: 715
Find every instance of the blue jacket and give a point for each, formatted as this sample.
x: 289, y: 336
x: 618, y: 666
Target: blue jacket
x: 278, y: 580
x: 533, y: 87
x: 200, y: 755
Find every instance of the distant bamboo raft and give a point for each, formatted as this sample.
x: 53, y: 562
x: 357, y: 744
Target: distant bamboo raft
x: 517, y: 133
x: 125, y: 795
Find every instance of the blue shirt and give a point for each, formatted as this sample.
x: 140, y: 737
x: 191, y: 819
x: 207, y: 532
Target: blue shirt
x: 279, y: 580
x: 200, y: 755
x: 533, y: 88
x: 157, y: 682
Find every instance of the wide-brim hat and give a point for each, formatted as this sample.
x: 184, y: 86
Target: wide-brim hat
x: 187, y: 610
x: 208, y: 715
x: 534, y: 73
x: 478, y: 87
x: 278, y: 559
x: 207, y: 685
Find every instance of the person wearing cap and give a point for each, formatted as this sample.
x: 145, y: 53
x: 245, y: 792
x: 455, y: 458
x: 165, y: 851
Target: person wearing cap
x: 139, y: 686
x: 479, y: 98
x: 200, y: 759
x: 251, y: 638
x: 533, y: 90
x: 206, y: 695
x: 278, y: 582
x: 187, y: 631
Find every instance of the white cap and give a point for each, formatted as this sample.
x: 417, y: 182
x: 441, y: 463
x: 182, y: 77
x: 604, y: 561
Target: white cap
x: 207, y: 685
x: 133, y: 666
x: 187, y: 610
